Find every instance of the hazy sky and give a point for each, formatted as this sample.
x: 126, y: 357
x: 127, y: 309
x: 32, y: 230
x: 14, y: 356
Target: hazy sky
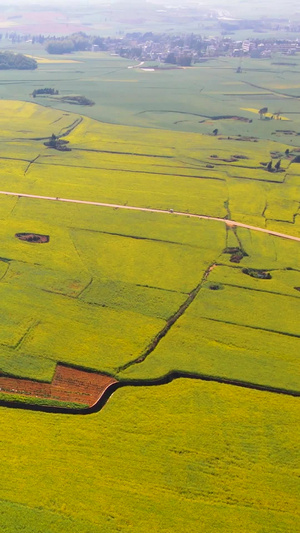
x: 242, y: 8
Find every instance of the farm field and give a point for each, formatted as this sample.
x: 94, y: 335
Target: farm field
x: 199, y: 99
x: 228, y: 456
x: 132, y: 271
x: 139, y: 296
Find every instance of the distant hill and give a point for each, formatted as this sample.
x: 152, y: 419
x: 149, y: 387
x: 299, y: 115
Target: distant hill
x: 9, y: 60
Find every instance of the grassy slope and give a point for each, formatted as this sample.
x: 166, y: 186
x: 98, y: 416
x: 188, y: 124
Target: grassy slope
x: 235, y: 466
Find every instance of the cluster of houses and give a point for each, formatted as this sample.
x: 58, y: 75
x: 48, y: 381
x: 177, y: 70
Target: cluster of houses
x: 187, y: 49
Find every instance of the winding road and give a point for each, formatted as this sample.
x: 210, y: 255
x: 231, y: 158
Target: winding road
x: 230, y: 223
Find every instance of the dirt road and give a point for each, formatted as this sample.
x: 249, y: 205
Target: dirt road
x: 230, y: 223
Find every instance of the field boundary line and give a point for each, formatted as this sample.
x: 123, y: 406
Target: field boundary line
x: 230, y: 223
x: 163, y: 380
x: 170, y: 323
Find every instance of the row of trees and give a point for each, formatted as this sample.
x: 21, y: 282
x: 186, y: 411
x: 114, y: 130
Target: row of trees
x: 46, y: 90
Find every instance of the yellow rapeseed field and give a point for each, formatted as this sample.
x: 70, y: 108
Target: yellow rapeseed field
x: 171, y: 458
x: 139, y: 295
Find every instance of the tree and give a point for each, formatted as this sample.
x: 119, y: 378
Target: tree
x: 53, y: 141
x: 171, y: 58
x: 269, y: 166
x: 277, y: 115
x: 277, y: 166
x: 262, y: 112
x: 185, y: 61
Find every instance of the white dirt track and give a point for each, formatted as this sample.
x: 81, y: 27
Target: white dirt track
x: 230, y: 223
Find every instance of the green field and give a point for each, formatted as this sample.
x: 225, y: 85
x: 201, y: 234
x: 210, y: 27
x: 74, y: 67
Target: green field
x: 141, y: 294
x: 189, y: 100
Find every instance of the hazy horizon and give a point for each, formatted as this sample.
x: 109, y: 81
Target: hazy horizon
x: 237, y: 7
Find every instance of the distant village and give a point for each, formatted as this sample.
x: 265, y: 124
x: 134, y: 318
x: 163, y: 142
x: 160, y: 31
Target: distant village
x: 180, y: 49
x: 184, y: 50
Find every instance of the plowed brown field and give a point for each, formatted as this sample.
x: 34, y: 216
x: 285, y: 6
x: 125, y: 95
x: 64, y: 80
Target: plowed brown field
x: 68, y: 385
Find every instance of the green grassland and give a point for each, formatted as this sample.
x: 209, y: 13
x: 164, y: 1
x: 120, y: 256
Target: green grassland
x: 180, y: 100
x: 227, y: 456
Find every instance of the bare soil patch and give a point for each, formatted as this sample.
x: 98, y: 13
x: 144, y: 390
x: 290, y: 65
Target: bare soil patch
x: 33, y: 237
x: 69, y: 384
x: 236, y: 254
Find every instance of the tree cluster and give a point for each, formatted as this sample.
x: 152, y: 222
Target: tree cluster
x: 9, y: 60
x: 58, y: 144
x: 46, y: 90
x: 182, y: 60
x: 77, y: 42
x: 77, y: 100
x: 60, y: 47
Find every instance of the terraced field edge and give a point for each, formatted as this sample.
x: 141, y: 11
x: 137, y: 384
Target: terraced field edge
x: 79, y: 391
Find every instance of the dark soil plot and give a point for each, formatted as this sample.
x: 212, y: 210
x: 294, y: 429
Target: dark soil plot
x: 68, y: 385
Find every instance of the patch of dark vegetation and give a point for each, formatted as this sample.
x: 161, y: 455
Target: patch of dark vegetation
x: 76, y: 100
x: 215, y: 287
x: 240, y: 138
x: 256, y: 273
x: 285, y: 132
x: 231, y: 159
x: 228, y: 117
x: 275, y: 154
x: 297, y: 289
x: 296, y: 159
x: 46, y: 90
x: 57, y: 144
x: 236, y: 254
x: 32, y: 237
x: 9, y: 61
x: 205, y: 117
